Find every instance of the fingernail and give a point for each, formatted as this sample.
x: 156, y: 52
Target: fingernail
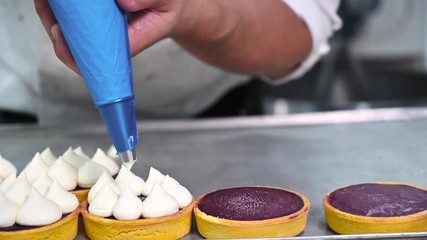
x: 55, y: 31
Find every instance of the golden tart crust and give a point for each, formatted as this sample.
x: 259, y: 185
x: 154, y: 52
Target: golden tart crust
x: 286, y: 226
x: 346, y: 223
x: 169, y: 227
x: 66, y: 229
x: 81, y: 194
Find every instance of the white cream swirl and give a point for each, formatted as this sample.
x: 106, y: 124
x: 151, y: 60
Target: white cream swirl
x: 35, y: 167
x: 74, y: 159
x: 127, y: 178
x: 159, y: 203
x: 112, y: 152
x: 101, y: 158
x: 128, y: 206
x: 64, y: 173
x: 6, y: 168
x: 67, y: 201
x: 8, y: 182
x: 20, y: 189
x: 104, y: 179
x: 38, y: 211
x: 8, y: 210
x: 177, y: 191
x: 89, y: 173
x: 48, y: 156
x: 42, y: 183
x: 153, y: 176
x: 79, y: 151
x: 104, y: 202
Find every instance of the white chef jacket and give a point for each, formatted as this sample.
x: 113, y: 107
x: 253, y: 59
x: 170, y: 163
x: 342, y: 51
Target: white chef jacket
x: 168, y: 82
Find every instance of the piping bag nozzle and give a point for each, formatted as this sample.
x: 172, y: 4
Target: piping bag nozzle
x: 120, y: 120
x: 97, y: 35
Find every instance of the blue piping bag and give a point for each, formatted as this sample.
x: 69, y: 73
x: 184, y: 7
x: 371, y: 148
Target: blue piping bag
x: 97, y: 35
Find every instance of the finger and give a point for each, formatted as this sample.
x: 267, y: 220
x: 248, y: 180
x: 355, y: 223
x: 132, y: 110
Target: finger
x: 45, y: 14
x: 135, y: 5
x: 62, y: 50
x: 144, y: 30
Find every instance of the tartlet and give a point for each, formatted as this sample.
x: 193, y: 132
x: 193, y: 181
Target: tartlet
x: 344, y: 222
x: 210, y: 226
x: 65, y: 228
x: 169, y: 227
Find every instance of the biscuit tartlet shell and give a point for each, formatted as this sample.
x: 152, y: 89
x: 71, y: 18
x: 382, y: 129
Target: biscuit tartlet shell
x: 66, y: 229
x: 169, y: 227
x: 81, y: 194
x: 346, y: 223
x: 286, y: 226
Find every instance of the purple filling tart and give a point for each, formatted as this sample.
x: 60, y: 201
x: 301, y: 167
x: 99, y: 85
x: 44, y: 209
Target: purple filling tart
x: 250, y: 203
x: 379, y: 200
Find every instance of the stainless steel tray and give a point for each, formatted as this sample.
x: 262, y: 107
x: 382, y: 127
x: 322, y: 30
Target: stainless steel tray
x: 310, y: 153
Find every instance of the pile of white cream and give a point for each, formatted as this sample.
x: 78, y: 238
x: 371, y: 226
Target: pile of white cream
x: 23, y: 203
x: 73, y: 168
x: 120, y: 197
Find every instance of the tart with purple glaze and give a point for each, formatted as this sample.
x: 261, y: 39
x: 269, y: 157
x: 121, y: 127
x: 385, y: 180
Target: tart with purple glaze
x: 376, y: 208
x: 251, y: 212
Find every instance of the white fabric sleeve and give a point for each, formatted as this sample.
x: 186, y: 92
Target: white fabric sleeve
x: 322, y: 20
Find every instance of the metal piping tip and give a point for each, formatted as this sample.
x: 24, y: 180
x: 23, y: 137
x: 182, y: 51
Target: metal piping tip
x: 128, y: 156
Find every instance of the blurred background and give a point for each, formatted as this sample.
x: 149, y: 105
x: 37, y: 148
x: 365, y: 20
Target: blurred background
x: 377, y: 60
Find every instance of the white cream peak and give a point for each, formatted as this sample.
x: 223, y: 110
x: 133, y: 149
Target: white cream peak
x: 104, y: 202
x: 8, y: 182
x: 104, y: 179
x: 73, y: 158
x: 79, y: 151
x: 8, y: 210
x: 35, y: 167
x: 127, y: 178
x: 153, y: 176
x: 38, y: 211
x: 177, y: 191
x: 89, y: 173
x: 20, y: 190
x: 128, y: 206
x: 42, y: 183
x: 112, y: 152
x: 159, y: 203
x: 64, y: 173
x: 6, y: 168
x: 67, y: 201
x: 48, y: 157
x: 101, y: 158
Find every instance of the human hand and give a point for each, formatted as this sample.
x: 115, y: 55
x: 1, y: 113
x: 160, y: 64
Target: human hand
x: 148, y: 22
